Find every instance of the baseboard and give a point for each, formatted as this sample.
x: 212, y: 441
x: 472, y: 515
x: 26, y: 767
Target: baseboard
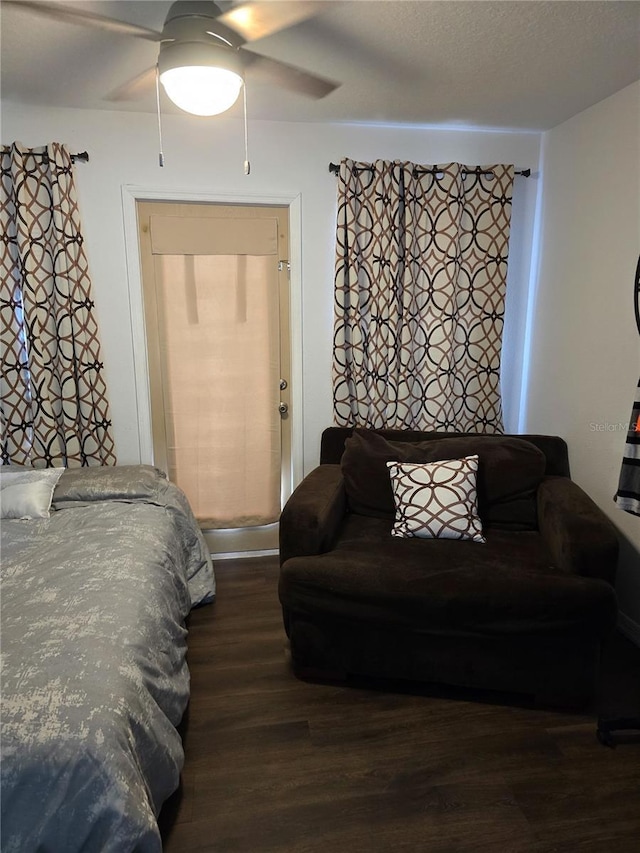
x: 629, y: 628
x: 244, y: 555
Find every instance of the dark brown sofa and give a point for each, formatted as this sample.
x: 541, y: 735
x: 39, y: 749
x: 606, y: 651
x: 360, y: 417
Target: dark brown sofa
x: 524, y: 612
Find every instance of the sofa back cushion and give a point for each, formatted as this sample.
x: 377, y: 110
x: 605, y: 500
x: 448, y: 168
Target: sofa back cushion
x: 554, y: 448
x: 509, y: 472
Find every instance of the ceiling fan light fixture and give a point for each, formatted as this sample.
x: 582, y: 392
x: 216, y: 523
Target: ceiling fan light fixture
x: 202, y: 79
x: 202, y: 90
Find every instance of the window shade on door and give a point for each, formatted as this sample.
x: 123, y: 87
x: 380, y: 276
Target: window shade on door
x: 218, y: 317
x: 180, y: 235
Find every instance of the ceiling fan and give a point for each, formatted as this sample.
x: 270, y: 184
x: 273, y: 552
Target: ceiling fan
x: 202, y: 56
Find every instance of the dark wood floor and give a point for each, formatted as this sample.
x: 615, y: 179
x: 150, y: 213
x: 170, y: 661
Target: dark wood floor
x: 276, y: 764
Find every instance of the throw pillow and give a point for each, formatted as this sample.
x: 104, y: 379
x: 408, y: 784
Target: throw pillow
x: 437, y: 500
x: 27, y: 492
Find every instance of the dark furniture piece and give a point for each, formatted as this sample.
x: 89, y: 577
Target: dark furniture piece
x: 524, y: 612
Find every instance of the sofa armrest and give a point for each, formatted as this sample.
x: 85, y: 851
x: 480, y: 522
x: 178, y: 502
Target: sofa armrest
x: 579, y: 535
x: 313, y: 514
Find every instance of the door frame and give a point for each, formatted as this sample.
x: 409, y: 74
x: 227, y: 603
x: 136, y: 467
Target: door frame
x: 131, y: 194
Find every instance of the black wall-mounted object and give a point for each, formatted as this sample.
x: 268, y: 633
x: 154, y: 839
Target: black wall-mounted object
x: 636, y: 295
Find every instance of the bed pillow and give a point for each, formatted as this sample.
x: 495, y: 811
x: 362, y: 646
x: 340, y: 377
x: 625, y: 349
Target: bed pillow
x: 437, y: 500
x: 509, y: 472
x: 27, y: 492
x: 108, y: 482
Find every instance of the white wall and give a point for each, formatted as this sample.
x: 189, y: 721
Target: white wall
x: 585, y: 358
x: 290, y: 159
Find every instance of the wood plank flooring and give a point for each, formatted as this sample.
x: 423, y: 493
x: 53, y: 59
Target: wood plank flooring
x: 277, y: 765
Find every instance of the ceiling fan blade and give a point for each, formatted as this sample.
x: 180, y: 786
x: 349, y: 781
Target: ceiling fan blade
x: 253, y: 21
x: 84, y: 18
x: 134, y: 88
x: 288, y: 76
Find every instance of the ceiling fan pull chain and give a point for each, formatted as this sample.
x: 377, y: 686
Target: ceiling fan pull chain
x: 247, y: 164
x: 161, y: 153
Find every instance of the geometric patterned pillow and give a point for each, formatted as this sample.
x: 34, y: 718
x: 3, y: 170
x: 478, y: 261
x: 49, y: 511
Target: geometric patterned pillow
x: 437, y: 500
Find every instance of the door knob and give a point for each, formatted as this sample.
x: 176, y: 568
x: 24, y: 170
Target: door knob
x: 283, y: 408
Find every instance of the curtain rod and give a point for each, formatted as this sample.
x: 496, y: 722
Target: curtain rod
x: 80, y: 157
x: 334, y: 168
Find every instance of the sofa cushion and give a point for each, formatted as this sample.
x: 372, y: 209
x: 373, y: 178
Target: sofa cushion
x: 509, y: 472
x: 508, y: 586
x: 437, y: 500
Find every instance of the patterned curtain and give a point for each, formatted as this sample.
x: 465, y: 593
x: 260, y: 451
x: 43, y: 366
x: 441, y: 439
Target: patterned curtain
x: 420, y: 283
x: 628, y: 494
x: 53, y: 403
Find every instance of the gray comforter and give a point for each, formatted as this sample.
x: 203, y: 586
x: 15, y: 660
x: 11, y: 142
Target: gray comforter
x: 94, y: 676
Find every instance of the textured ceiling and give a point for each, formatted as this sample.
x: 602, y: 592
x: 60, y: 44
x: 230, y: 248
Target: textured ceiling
x: 510, y: 63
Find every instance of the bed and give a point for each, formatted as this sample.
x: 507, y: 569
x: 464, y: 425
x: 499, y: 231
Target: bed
x: 94, y: 673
